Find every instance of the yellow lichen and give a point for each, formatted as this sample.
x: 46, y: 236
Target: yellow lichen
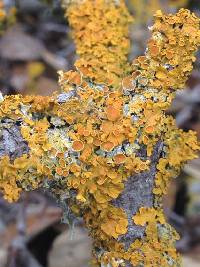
x: 100, y: 31
x: 148, y: 215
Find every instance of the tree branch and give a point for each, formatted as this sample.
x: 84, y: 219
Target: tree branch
x: 109, y: 151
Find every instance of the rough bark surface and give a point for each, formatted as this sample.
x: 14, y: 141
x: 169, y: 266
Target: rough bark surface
x: 138, y: 192
x: 12, y: 143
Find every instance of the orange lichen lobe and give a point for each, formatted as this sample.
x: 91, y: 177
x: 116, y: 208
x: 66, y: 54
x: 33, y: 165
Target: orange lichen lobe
x: 112, y: 113
x: 77, y: 145
x: 148, y: 215
x: 114, y: 223
x: 107, y: 146
x: 119, y: 158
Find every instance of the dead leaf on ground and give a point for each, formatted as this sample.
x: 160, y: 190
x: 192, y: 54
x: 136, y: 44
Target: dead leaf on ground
x: 189, y: 262
x: 18, y: 45
x: 44, y: 86
x: 71, y: 252
x: 37, y: 221
x: 3, y: 256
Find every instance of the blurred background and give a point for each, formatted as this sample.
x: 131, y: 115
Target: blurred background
x: 35, y: 42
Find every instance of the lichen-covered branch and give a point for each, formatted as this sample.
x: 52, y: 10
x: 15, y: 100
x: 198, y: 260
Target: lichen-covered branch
x: 100, y: 31
x: 108, y: 151
x: 170, y: 51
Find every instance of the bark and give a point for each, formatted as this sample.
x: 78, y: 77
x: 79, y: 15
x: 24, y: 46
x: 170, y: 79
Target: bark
x: 12, y: 143
x: 138, y: 192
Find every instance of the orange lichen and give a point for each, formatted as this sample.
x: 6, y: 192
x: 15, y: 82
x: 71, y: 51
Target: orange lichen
x: 119, y: 158
x: 77, y: 145
x: 175, y: 38
x: 113, y: 222
x: 107, y: 146
x: 100, y: 30
x: 148, y: 215
x: 89, y: 139
x: 18, y: 171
